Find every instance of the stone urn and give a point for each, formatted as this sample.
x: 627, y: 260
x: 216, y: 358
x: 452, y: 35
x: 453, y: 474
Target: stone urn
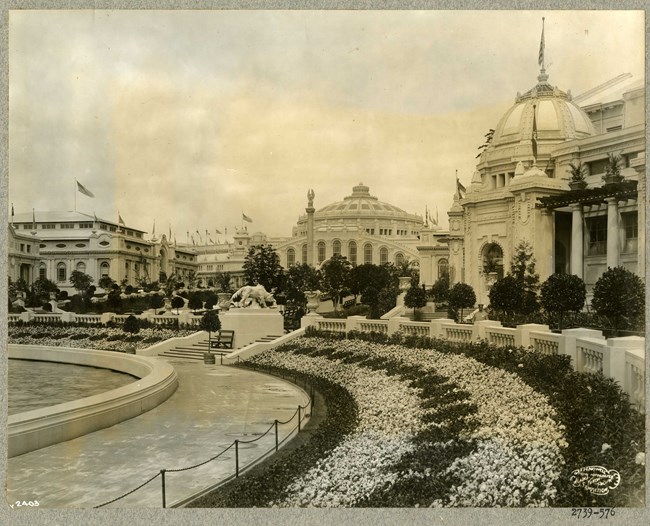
x: 404, y: 283
x: 224, y: 300
x: 577, y: 185
x: 312, y: 300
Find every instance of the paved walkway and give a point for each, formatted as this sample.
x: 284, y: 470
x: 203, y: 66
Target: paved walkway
x: 213, y: 406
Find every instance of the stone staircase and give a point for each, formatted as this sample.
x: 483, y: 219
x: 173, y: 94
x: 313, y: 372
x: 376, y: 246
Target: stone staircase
x: 195, y: 351
x: 192, y: 352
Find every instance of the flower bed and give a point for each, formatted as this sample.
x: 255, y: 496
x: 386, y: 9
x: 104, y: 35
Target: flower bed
x: 89, y: 337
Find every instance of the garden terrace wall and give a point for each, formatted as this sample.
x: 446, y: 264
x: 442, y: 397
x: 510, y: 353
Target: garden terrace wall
x: 622, y: 359
x: 183, y: 318
x: 43, y: 427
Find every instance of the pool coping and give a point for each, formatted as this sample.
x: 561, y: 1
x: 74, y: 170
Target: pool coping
x: 39, y: 428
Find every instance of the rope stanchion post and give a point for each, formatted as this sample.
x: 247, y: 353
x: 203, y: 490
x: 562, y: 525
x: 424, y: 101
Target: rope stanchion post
x: 276, y: 435
x: 221, y: 357
x: 236, y: 458
x: 164, y: 496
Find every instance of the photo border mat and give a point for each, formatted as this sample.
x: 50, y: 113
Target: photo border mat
x: 360, y: 517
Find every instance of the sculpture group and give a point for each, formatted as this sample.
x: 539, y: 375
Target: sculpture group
x: 252, y: 297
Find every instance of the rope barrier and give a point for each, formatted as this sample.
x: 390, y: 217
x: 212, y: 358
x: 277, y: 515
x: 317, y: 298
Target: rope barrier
x: 129, y: 492
x: 202, y: 463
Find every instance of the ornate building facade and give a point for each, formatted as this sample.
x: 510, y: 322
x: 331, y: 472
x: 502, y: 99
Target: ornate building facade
x: 521, y: 188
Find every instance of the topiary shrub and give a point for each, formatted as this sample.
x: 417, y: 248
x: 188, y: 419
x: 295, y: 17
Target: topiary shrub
x: 619, y: 295
x: 562, y: 293
x: 131, y: 324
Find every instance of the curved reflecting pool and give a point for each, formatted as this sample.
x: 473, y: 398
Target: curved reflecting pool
x: 33, y: 384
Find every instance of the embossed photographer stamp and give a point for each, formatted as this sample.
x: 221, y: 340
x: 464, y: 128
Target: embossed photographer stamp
x: 596, y: 479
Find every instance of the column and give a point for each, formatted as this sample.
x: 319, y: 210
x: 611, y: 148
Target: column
x: 576, y: 240
x: 612, y: 232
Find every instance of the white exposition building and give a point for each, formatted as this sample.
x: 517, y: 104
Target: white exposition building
x: 519, y: 191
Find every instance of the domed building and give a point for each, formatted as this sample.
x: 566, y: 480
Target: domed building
x: 360, y: 227
x: 520, y: 189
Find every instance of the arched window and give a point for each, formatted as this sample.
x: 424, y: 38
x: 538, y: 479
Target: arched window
x: 291, y: 257
x: 493, y: 260
x: 61, y: 272
x: 352, y: 253
x: 367, y: 253
x: 304, y: 253
x: 399, y: 258
x: 443, y: 267
x: 383, y: 255
x: 321, y: 251
x: 81, y: 267
x: 336, y: 247
x: 104, y: 269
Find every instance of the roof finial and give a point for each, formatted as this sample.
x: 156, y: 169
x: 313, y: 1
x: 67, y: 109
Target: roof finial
x: 543, y: 77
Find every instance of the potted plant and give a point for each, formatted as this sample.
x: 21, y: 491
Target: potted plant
x: 613, y: 171
x: 210, y: 322
x: 577, y: 181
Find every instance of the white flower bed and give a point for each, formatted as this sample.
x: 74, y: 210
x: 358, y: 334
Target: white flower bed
x: 518, y: 442
x: 60, y: 336
x: 389, y: 416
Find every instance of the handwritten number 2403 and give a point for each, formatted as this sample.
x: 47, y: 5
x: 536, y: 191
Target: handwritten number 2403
x: 588, y: 513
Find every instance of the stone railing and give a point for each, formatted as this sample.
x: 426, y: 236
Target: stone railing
x: 184, y: 318
x: 500, y: 336
x: 545, y: 342
x: 622, y: 359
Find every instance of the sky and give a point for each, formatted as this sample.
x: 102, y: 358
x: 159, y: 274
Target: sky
x: 191, y: 118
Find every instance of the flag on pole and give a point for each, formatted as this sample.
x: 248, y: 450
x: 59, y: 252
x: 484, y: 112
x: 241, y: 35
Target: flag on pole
x: 216, y: 231
x: 33, y: 220
x: 540, y: 59
x: 170, y: 233
x: 153, y: 230
x: 436, y: 214
x: 95, y: 218
x: 120, y: 220
x: 84, y: 190
x: 460, y: 188
x: 12, y: 211
x: 534, y: 138
x: 246, y: 218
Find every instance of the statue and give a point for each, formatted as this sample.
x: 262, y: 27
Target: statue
x: 310, y: 198
x: 252, y: 297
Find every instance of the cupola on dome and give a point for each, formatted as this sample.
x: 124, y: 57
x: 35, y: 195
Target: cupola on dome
x: 557, y: 118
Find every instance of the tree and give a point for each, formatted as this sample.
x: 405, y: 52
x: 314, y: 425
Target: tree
x: 156, y: 301
x: 416, y: 297
x: 41, y: 290
x: 440, y: 289
x: 114, y: 300
x: 80, y: 281
x: 194, y: 302
x: 191, y: 279
x: 210, y: 322
x: 170, y: 284
x: 106, y: 282
x: 408, y: 268
x: 505, y: 295
x: 177, y: 303
x: 461, y: 296
x: 336, y: 271
x: 211, y: 299
x: 378, y: 286
x: 619, y: 295
x: 562, y: 293
x: 223, y: 281
x: 298, y: 279
x: 131, y: 324
x: 522, y: 268
x: 262, y: 266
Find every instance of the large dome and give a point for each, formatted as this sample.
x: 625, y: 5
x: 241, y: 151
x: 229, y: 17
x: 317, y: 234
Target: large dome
x: 363, y: 205
x: 557, y: 117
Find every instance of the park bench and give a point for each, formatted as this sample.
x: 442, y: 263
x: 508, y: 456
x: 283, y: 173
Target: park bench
x: 223, y: 340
